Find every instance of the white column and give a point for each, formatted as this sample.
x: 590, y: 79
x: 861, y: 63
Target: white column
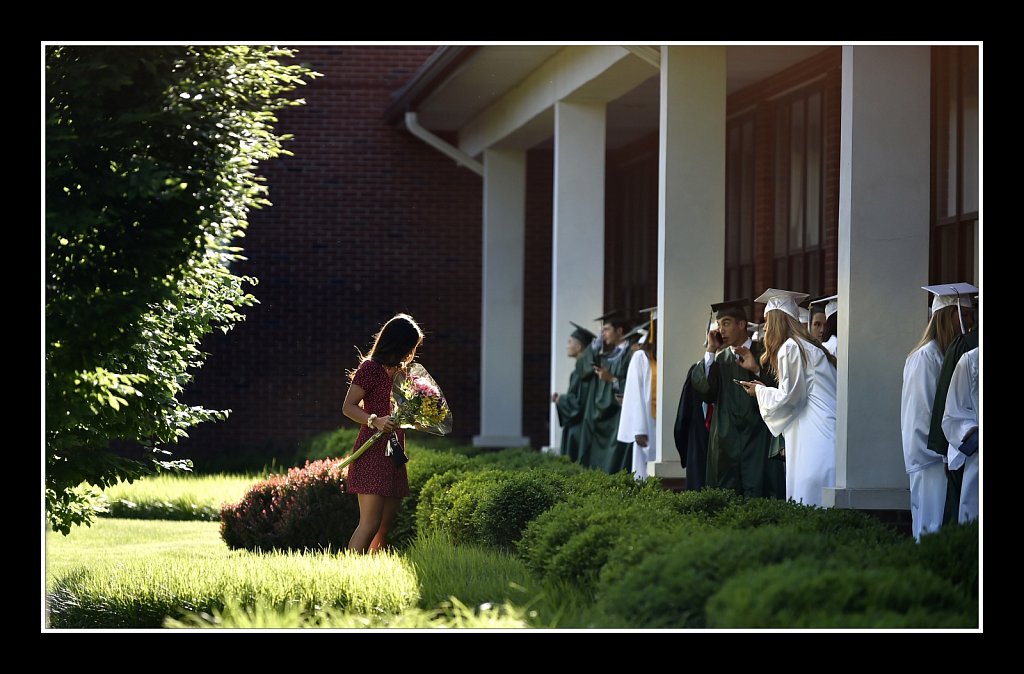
x: 501, y: 330
x: 691, y: 223
x: 577, y: 246
x: 883, y: 260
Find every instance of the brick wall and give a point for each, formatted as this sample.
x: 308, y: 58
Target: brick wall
x: 826, y: 66
x: 367, y: 221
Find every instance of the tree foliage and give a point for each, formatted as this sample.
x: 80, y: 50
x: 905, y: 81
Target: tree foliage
x: 151, y: 158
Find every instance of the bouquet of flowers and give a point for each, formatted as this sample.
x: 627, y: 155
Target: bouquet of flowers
x: 420, y: 405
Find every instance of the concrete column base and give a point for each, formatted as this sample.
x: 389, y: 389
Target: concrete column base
x: 867, y: 499
x: 666, y: 469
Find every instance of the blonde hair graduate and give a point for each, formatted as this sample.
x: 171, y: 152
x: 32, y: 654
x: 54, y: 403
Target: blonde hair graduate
x: 802, y: 407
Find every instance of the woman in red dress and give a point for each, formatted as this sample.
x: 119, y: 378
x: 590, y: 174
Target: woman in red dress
x: 374, y: 477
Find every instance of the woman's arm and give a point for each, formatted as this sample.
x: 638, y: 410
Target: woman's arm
x: 351, y: 409
x: 780, y: 405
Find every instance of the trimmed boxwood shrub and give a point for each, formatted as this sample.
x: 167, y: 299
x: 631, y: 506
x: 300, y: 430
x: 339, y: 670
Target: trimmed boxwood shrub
x: 508, y: 505
x: 705, y: 502
x: 306, y: 508
x: 423, y: 465
x: 670, y: 587
x: 522, y: 458
x: 572, y: 540
x: 803, y: 594
x: 637, y: 544
x: 950, y: 553
x: 490, y: 507
x: 841, y: 525
x: 429, y: 511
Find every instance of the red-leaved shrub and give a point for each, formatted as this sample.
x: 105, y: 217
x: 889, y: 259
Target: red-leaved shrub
x: 307, y: 508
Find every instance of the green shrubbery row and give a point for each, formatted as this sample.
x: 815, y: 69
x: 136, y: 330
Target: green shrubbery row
x: 656, y: 559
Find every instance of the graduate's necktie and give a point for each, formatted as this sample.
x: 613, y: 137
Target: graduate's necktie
x: 707, y: 416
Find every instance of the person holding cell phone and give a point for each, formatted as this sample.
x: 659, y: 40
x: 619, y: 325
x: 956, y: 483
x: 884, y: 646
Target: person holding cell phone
x: 739, y: 442
x: 802, y: 402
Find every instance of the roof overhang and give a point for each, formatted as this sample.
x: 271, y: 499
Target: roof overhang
x: 504, y: 95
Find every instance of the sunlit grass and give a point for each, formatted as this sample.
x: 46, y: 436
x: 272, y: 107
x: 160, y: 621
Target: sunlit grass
x: 474, y: 574
x: 112, y: 540
x: 453, y: 615
x: 165, y: 573
x: 175, y: 496
x: 139, y: 573
x: 479, y: 576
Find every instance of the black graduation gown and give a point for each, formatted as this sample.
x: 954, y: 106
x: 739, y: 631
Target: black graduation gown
x: 691, y: 435
x: 600, y: 447
x: 572, y: 404
x: 740, y: 443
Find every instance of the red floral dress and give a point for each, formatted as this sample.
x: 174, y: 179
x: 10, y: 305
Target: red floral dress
x: 374, y: 472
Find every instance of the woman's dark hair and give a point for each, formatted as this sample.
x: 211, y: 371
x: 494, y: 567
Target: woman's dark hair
x: 831, y: 326
x: 396, y: 339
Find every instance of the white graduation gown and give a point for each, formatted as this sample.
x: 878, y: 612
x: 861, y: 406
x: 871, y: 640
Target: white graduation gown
x: 803, y: 407
x: 926, y: 468
x: 635, y: 418
x: 832, y: 344
x: 960, y: 416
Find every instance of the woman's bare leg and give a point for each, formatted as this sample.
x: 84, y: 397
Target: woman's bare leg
x: 391, y: 504
x: 371, y: 510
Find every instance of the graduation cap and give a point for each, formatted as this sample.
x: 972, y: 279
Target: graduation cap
x: 736, y: 309
x: 610, y: 315
x: 831, y: 303
x: 581, y: 334
x: 783, y: 300
x: 805, y: 316
x: 653, y: 311
x: 948, y: 294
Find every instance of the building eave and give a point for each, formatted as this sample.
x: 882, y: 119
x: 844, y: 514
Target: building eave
x: 433, y: 71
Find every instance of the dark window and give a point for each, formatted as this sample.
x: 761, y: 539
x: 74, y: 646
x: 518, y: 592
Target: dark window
x: 954, y: 210
x: 739, y: 208
x: 799, y: 166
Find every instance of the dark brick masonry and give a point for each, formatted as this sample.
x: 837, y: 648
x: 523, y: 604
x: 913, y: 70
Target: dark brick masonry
x: 367, y: 221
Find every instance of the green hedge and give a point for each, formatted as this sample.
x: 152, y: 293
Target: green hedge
x: 951, y: 553
x: 523, y: 458
x: 705, y: 502
x: 670, y: 586
x: 493, y: 506
x: 572, y: 540
x: 838, y: 524
x: 490, y: 507
x: 423, y: 465
x: 802, y: 594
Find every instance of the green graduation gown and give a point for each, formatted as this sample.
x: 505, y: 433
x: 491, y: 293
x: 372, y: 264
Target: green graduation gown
x: 937, y: 441
x: 600, y: 446
x: 571, y: 404
x: 739, y: 443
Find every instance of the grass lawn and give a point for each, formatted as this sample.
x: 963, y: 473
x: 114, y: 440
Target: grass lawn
x: 177, y: 496
x: 139, y: 573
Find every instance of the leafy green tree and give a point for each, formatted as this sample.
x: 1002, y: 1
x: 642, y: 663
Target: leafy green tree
x: 151, y: 155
